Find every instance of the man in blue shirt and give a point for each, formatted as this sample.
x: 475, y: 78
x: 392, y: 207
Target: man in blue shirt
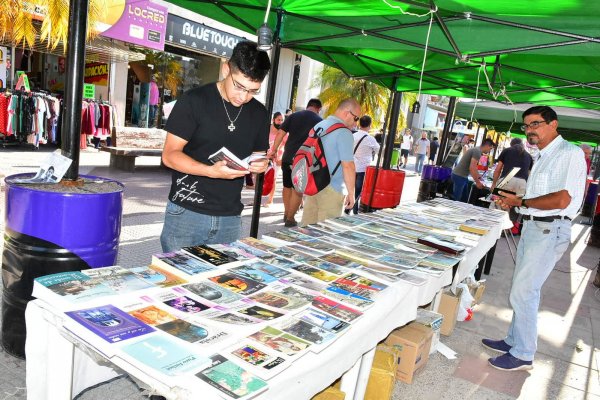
x: 338, y: 146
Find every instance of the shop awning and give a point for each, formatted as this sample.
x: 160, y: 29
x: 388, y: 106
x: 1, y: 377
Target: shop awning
x: 573, y: 124
x: 543, y: 52
x: 100, y: 49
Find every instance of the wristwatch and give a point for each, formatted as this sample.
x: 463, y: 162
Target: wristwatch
x: 523, y: 205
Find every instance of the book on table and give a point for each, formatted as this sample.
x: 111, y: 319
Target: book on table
x: 208, y: 254
x: 181, y: 264
x: 103, y: 326
x: 67, y: 289
x: 231, y: 380
x: 160, y: 353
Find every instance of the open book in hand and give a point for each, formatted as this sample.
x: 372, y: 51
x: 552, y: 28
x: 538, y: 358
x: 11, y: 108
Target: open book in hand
x: 500, y: 186
x: 233, y: 161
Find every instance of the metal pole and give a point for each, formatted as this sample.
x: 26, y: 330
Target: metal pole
x: 270, y: 100
x: 389, y: 143
x: 71, y: 125
x: 446, y: 132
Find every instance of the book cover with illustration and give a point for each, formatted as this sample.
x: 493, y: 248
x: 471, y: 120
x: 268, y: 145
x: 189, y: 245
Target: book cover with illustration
x: 69, y: 287
x: 322, y: 320
x: 280, y: 341
x: 336, y: 309
x: 233, y: 251
x: 262, y: 361
x: 179, y: 262
x: 208, y: 254
x: 198, y: 333
x: 304, y: 281
x: 230, y: 379
x: 260, y: 271
x: 158, y: 276
x: 165, y: 355
x: 279, y: 300
x: 110, y: 323
x: 213, y: 292
x: 151, y: 315
x: 261, y: 313
x: 307, y: 331
x: 119, y: 279
x: 315, y: 273
x: 237, y: 283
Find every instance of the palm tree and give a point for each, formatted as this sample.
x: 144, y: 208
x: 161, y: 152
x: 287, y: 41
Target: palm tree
x: 337, y: 86
x: 17, y: 21
x: 374, y: 98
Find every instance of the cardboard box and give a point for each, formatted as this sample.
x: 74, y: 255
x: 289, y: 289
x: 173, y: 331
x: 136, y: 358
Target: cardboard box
x: 413, y: 341
x: 434, y: 321
x: 449, y: 304
x: 383, y: 373
x: 331, y: 393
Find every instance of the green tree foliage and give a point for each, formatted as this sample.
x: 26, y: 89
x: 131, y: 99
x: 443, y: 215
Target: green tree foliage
x: 336, y: 86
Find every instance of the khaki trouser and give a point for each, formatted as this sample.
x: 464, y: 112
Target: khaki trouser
x: 326, y: 204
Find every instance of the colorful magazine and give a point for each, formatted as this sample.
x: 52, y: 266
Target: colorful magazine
x: 208, y: 254
x: 110, y: 323
x: 164, y: 355
x: 336, y: 309
x: 158, y: 276
x: 237, y: 283
x: 179, y: 262
x: 213, y: 292
x: 230, y: 379
x: 280, y: 341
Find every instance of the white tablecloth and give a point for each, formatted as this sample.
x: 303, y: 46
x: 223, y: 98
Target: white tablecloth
x: 50, y: 364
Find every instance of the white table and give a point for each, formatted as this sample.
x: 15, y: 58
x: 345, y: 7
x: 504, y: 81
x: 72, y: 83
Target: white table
x: 59, y: 366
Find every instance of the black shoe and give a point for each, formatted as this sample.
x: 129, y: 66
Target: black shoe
x: 290, y: 223
x: 497, y: 345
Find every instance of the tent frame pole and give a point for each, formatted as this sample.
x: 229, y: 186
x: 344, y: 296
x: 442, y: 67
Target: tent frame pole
x: 443, y: 150
x: 272, y: 85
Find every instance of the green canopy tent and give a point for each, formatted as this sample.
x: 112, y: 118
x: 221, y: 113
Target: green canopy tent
x: 575, y: 125
x: 505, y: 50
x: 533, y: 51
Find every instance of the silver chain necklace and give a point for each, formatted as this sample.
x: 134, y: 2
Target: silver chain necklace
x: 231, y: 125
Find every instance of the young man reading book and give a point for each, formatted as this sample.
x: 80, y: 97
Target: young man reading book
x: 204, y: 204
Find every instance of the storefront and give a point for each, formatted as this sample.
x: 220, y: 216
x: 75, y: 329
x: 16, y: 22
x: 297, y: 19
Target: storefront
x: 192, y: 57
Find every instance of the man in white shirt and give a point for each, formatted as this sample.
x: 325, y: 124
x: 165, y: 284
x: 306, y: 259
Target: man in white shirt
x: 405, y: 146
x: 552, y: 199
x: 421, y: 151
x: 365, y: 148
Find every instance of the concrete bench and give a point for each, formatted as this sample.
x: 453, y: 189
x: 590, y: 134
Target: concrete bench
x: 131, y: 142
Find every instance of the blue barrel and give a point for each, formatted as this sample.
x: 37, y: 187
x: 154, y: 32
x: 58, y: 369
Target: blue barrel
x: 49, y: 231
x: 427, y: 172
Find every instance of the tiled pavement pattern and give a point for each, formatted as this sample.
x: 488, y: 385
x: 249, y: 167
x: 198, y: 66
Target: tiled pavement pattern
x: 567, y: 362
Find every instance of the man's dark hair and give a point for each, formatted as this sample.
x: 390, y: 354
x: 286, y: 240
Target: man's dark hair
x: 488, y: 142
x: 316, y: 103
x: 277, y: 114
x: 435, y: 138
x: 287, y: 110
x: 251, y: 62
x: 365, y: 121
x: 546, y: 112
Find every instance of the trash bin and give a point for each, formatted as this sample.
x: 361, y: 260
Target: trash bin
x: 51, y: 228
x: 395, y: 158
x: 388, y: 188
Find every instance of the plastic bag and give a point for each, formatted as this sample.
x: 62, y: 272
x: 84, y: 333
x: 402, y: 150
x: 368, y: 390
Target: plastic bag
x: 465, y: 312
x: 269, y: 180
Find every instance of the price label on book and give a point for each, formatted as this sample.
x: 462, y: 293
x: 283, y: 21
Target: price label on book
x: 89, y: 91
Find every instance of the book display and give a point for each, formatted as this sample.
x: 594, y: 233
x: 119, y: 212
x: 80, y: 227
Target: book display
x: 238, y: 320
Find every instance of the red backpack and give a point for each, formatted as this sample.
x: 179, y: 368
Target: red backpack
x: 310, y: 173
